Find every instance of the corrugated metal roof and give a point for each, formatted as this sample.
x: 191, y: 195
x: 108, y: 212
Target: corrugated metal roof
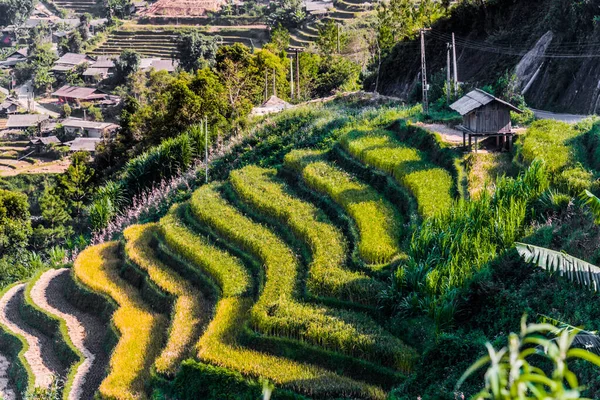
x: 73, y: 59
x: 25, y: 120
x: 476, y: 99
x: 104, y: 63
x: 84, y: 144
x: 96, y: 71
x: 79, y: 123
x: 75, y: 92
x: 45, y: 140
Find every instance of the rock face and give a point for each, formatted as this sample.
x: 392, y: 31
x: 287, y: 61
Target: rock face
x: 529, y: 67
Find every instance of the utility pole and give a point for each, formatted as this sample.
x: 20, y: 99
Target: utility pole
x: 291, y: 78
x: 274, y: 83
x: 448, y: 75
x: 424, y: 74
x: 266, y: 85
x: 455, y: 66
x: 297, y: 74
x: 338, y: 37
x: 206, y: 146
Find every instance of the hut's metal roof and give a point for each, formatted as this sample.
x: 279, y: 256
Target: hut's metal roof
x: 477, y: 99
x: 25, y: 121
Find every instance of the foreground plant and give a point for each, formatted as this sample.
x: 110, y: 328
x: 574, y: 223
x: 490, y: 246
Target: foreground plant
x: 511, y: 375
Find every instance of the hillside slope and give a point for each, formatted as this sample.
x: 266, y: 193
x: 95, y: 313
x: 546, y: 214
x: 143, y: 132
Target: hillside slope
x: 493, y: 38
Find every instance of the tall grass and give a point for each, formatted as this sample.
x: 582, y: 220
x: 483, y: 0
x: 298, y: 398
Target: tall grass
x: 378, y: 221
x: 431, y: 185
x: 448, y: 249
x: 188, y: 311
x: 327, y: 276
x: 141, y: 330
x: 276, y: 311
x: 219, y: 344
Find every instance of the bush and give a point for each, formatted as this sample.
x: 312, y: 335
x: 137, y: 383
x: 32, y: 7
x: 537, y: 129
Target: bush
x: 378, y: 221
x: 276, y: 311
x: 187, y: 312
x: 327, y: 276
x: 141, y: 330
x: 432, y: 186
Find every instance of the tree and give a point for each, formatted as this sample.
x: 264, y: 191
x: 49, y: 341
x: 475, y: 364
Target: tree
x: 15, y: 223
x: 280, y: 40
x: 286, y: 13
x: 238, y: 74
x: 75, y: 182
x: 43, y: 80
x: 95, y: 114
x: 67, y: 111
x: 15, y: 11
x: 330, y: 35
x: 197, y: 51
x: 127, y: 64
x: 56, y: 219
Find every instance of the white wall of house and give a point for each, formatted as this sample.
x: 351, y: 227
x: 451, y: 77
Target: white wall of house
x: 90, y: 132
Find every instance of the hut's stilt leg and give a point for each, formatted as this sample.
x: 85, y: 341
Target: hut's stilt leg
x: 476, y: 144
x: 497, y: 141
x: 470, y: 143
x: 464, y: 139
x: 510, y: 142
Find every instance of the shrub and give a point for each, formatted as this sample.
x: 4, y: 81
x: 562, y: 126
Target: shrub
x: 327, y: 276
x: 187, y: 313
x: 431, y: 185
x: 141, y: 330
x: 377, y: 220
x: 276, y: 311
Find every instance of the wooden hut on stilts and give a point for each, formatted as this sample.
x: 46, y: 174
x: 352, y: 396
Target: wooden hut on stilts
x: 485, y: 116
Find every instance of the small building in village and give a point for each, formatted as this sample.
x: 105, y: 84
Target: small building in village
x: 43, y: 145
x: 271, y: 106
x: 99, y: 70
x: 88, y: 129
x: 69, y: 61
x: 157, y: 64
x: 485, y: 116
x: 84, y: 144
x: 76, y: 95
x: 15, y: 58
x: 9, y: 106
x: 25, y: 121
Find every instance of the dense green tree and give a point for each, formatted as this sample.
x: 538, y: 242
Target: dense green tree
x: 127, y: 64
x: 197, y: 51
x: 287, y: 13
x: 56, y: 220
x: 75, y: 182
x: 15, y: 224
x: 331, y: 35
x: 15, y: 11
x: 43, y: 80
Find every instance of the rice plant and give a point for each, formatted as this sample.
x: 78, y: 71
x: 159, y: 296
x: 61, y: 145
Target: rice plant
x: 188, y: 311
x: 219, y: 344
x: 431, y: 185
x: 378, y: 221
x: 327, y: 275
x: 276, y: 311
x: 141, y: 330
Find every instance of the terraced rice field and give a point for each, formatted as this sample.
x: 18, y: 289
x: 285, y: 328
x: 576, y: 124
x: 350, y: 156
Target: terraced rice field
x: 255, y: 274
x: 342, y: 12
x: 78, y: 6
x: 161, y: 42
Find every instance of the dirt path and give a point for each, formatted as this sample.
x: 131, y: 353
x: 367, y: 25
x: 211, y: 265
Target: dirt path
x: 449, y: 135
x: 85, y: 330
x: 7, y: 389
x: 40, y: 355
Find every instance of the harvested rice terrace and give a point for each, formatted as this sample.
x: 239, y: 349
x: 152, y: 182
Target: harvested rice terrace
x: 273, y: 274
x: 162, y: 43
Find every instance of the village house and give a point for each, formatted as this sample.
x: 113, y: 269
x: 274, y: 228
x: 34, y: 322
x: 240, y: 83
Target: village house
x: 15, y: 58
x: 485, y: 116
x: 147, y: 64
x: 69, y: 61
x: 25, y: 121
x: 9, y: 106
x: 42, y: 145
x: 76, y: 95
x: 88, y: 129
x: 84, y: 144
x: 99, y: 70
